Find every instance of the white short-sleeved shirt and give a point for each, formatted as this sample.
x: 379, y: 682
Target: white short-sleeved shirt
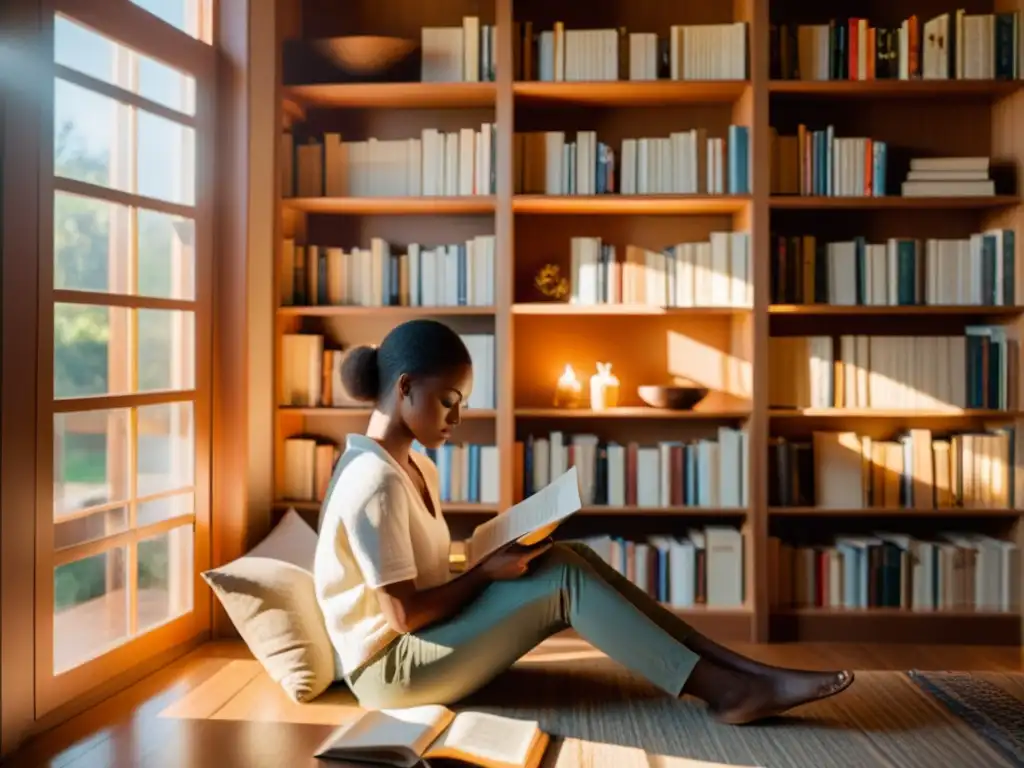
x: 375, y: 529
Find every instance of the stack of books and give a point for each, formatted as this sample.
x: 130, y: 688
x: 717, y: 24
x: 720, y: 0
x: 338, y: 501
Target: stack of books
x: 948, y: 177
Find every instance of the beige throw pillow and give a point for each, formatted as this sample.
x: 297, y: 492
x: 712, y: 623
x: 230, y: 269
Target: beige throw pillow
x: 271, y: 600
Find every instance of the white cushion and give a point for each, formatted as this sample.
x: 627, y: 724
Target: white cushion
x: 270, y: 597
x: 292, y: 540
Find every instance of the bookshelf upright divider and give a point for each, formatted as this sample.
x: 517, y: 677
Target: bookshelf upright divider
x: 731, y: 345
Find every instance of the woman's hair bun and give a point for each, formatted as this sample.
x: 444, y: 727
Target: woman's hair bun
x: 360, y: 374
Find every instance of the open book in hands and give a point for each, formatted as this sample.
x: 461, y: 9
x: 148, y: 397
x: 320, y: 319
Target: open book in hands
x: 529, y: 522
x: 414, y: 736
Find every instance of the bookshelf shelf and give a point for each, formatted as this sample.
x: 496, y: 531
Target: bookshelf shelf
x: 892, y: 512
x: 731, y: 349
x: 895, y: 89
x: 448, y: 508
x: 814, y: 310
x: 346, y: 413
x: 730, y: 512
x: 897, y: 613
x: 660, y: 205
x: 892, y: 413
x: 633, y: 413
x: 398, y: 206
x: 621, y: 310
x: 392, y: 95
x: 397, y: 314
x: 891, y: 202
x: 639, y: 93
x: 828, y: 625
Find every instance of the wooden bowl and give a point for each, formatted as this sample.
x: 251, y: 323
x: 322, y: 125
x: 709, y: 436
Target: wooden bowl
x: 364, y: 54
x: 675, y: 398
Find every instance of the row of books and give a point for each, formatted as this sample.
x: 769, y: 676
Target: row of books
x: 914, y: 470
x: 467, y: 473
x: 819, y: 163
x: 955, y: 571
x: 310, y: 372
x: 976, y: 370
x: 308, y: 465
x: 979, y: 270
x: 437, y: 164
x: 456, y: 275
x: 951, y: 46
x: 700, y: 567
x: 698, y: 473
x: 465, y: 54
x: 716, y: 273
x: 690, y: 52
x: 687, y: 162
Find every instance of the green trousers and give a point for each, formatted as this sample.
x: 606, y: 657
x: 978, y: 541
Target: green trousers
x: 568, y: 586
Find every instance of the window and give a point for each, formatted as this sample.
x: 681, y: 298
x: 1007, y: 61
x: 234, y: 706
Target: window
x: 131, y: 370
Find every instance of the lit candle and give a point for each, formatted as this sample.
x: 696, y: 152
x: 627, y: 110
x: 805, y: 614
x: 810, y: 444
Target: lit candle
x: 604, y: 388
x: 568, y: 389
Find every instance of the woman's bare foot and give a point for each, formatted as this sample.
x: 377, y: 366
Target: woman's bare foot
x: 771, y: 695
x: 738, y: 698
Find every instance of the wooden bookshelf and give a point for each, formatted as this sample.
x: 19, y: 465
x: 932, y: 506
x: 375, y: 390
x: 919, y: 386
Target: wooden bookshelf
x: 891, y: 203
x: 392, y: 95
x: 630, y: 94
x: 895, y: 89
x: 724, y: 347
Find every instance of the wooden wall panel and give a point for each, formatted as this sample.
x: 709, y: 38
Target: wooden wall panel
x: 21, y: 133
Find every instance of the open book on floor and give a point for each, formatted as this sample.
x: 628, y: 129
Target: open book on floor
x: 529, y: 522
x: 419, y: 735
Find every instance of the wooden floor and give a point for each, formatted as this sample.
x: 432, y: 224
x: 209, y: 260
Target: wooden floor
x: 215, y: 708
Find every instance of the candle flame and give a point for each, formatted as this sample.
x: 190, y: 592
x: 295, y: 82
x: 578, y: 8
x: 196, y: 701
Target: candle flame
x: 568, y: 376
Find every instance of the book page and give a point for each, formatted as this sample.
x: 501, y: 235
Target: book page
x: 488, y: 740
x: 533, y: 519
x: 400, y: 735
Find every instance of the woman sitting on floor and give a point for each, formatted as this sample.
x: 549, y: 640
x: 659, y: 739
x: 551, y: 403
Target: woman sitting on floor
x: 408, y: 634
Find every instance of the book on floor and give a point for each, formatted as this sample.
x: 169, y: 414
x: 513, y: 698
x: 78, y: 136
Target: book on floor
x: 529, y: 522
x: 413, y: 737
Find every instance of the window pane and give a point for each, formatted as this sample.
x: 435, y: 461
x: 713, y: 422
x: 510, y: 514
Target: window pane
x: 166, y: 349
x: 166, y: 456
x: 166, y: 159
x: 164, y: 577
x: 90, y: 53
x: 166, y: 85
x: 90, y: 350
x: 78, y: 47
x: 90, y: 244
x: 89, y: 527
x: 91, y: 137
x: 91, y: 253
x: 182, y: 14
x: 90, y: 607
x: 164, y: 508
x: 90, y: 459
x: 166, y: 255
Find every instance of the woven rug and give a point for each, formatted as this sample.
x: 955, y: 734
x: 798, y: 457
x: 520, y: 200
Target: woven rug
x: 991, y: 703
x: 886, y: 719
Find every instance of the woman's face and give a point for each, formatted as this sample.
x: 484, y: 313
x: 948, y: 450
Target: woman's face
x: 431, y: 406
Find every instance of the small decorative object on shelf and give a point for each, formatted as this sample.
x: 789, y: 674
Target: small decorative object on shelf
x: 364, y: 55
x: 550, y: 283
x: 604, y: 388
x: 568, y: 389
x: 680, y: 397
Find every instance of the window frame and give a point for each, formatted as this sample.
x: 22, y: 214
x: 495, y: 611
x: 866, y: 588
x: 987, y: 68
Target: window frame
x: 128, y: 24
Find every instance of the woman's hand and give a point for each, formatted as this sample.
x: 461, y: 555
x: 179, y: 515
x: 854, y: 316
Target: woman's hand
x: 508, y: 564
